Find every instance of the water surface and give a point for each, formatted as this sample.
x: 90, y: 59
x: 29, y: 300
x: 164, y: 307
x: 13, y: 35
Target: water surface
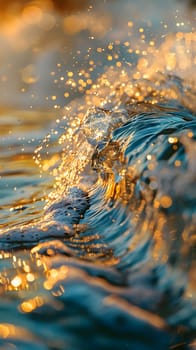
x: 97, y: 179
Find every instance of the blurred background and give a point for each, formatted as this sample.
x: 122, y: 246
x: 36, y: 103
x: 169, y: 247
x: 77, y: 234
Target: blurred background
x: 44, y: 42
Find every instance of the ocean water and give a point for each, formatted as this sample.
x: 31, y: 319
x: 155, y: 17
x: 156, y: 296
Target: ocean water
x: 97, y: 178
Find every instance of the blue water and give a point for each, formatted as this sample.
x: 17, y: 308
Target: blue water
x: 97, y: 220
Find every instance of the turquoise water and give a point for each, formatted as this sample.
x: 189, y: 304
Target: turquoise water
x: 97, y: 179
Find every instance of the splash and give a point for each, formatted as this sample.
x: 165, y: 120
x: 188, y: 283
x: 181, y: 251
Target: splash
x: 113, y: 258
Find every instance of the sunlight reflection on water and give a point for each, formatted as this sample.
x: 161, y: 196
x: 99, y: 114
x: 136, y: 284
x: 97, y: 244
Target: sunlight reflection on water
x: 97, y: 177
